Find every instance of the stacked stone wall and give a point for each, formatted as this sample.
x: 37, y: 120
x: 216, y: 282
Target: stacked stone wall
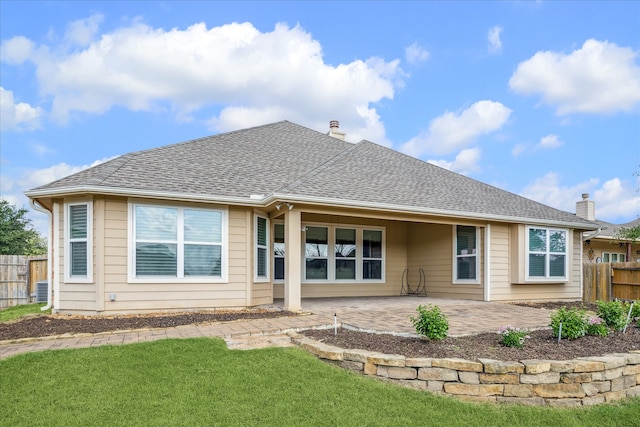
x: 567, y: 383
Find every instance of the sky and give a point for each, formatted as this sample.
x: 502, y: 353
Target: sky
x: 539, y: 98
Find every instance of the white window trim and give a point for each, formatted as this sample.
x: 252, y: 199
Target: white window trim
x: 266, y: 247
x: 68, y: 278
x: 164, y: 279
x: 477, y: 254
x: 331, y: 259
x: 547, y: 278
x: 619, y: 254
x: 273, y: 256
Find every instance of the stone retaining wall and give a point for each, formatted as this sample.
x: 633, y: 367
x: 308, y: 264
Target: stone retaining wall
x: 568, y: 383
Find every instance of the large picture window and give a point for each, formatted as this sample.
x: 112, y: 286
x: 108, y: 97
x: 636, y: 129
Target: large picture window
x: 466, y: 266
x: 547, y: 253
x: 175, y: 242
x: 78, y: 242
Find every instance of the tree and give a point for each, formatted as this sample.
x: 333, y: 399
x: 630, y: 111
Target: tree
x: 631, y: 234
x: 17, y: 237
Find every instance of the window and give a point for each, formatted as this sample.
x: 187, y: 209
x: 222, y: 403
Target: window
x: 262, y: 239
x: 547, y: 253
x: 466, y: 266
x: 334, y: 252
x: 345, y: 253
x: 78, y: 242
x: 173, y: 242
x: 613, y: 257
x: 278, y: 252
x: 316, y: 253
x: 372, y: 254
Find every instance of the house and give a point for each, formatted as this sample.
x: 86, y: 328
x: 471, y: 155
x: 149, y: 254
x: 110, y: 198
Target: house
x: 605, y: 245
x: 282, y: 211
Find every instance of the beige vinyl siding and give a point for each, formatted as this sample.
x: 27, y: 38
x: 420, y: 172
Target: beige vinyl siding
x: 431, y: 248
x: 499, y: 259
x: 506, y: 290
x: 76, y: 296
x: 139, y: 297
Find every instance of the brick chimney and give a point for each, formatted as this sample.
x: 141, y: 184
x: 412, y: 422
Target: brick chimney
x: 334, y: 125
x: 586, y: 208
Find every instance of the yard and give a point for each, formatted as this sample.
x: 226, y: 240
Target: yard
x: 201, y: 382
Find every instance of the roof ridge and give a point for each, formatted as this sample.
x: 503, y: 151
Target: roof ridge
x: 317, y: 170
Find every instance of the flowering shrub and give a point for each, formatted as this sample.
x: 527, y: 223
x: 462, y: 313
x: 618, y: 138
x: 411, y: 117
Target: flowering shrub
x: 574, y: 324
x: 513, y: 337
x: 613, y: 313
x: 596, y: 326
x: 431, y: 322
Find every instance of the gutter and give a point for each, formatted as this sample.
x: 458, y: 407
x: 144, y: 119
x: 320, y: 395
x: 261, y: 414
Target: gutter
x: 42, y: 209
x: 588, y: 236
x: 260, y: 200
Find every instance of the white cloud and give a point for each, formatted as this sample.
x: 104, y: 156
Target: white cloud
x: 257, y: 76
x: 83, y: 31
x: 550, y: 141
x: 416, y: 53
x: 454, y: 131
x: 616, y: 200
x: 600, y: 77
x: 518, y: 149
x: 466, y: 162
x: 16, y: 50
x: 493, y: 36
x: 17, y: 116
x: 13, y: 187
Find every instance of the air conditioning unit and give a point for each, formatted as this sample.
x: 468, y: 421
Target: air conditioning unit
x: 42, y: 288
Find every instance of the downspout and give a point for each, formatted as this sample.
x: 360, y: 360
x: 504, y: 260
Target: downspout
x: 596, y: 233
x: 42, y: 209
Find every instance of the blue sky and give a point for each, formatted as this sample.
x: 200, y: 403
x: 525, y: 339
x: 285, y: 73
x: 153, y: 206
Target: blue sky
x: 538, y: 98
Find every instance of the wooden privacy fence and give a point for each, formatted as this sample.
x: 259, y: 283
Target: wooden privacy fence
x: 608, y: 281
x: 18, y: 277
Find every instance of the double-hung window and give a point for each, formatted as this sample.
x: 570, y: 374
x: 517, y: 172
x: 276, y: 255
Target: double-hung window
x: 345, y: 253
x: 547, y: 253
x: 466, y: 265
x: 372, y: 254
x: 278, y: 252
x: 317, y: 253
x: 177, y: 242
x: 262, y: 244
x: 78, y: 224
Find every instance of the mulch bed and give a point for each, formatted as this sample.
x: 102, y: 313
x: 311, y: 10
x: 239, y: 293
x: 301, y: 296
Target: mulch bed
x: 42, y: 326
x: 540, y: 345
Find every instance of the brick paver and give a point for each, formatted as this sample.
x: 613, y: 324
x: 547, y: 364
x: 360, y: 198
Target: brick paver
x: 380, y: 314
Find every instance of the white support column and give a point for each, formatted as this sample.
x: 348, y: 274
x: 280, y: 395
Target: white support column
x: 292, y: 238
x: 487, y: 263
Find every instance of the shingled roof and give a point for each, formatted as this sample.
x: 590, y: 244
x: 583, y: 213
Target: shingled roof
x: 284, y: 160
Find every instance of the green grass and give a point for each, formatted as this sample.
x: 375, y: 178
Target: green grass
x: 199, y: 382
x: 18, y: 311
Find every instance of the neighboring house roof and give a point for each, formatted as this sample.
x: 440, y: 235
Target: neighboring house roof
x: 285, y: 161
x: 610, y: 230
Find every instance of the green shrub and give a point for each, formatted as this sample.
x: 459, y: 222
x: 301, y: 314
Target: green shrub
x: 431, y: 322
x: 596, y: 326
x: 635, y: 312
x: 513, y: 337
x: 613, y: 313
x: 574, y: 324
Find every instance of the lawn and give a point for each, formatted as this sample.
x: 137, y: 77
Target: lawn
x: 200, y: 382
x: 18, y: 311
